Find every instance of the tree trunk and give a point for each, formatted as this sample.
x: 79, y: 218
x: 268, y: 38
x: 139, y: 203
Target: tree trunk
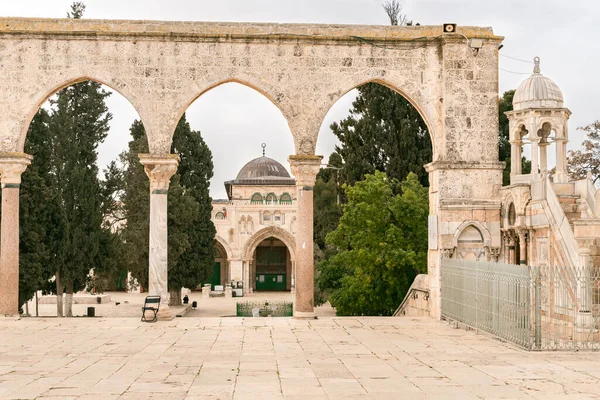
x: 69, y: 298
x: 37, y: 313
x: 175, y: 297
x: 59, y: 295
x: 27, y: 309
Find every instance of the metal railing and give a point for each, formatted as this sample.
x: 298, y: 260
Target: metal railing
x: 264, y: 308
x: 539, y: 308
x: 492, y: 297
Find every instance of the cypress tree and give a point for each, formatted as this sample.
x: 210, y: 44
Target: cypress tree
x: 79, y: 123
x: 383, y: 132
x: 36, y: 207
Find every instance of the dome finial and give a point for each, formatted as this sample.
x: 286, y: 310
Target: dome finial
x: 536, y: 66
x: 264, y: 145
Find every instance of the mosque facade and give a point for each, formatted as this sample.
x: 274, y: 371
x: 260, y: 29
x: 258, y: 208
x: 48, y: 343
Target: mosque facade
x: 256, y: 229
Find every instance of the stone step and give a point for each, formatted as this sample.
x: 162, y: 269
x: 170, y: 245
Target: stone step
x: 572, y: 216
x: 571, y: 208
x: 567, y: 198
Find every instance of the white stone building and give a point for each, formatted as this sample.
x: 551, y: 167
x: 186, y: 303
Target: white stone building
x: 256, y: 228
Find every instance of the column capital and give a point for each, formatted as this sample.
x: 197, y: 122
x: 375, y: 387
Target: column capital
x: 12, y: 165
x: 305, y: 168
x: 522, y: 233
x: 447, y: 252
x: 159, y: 168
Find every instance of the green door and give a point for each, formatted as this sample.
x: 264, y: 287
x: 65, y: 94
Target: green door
x: 273, y: 282
x: 215, y: 278
x: 271, y: 268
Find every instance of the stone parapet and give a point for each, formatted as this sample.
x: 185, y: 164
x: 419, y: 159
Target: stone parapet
x: 180, y: 30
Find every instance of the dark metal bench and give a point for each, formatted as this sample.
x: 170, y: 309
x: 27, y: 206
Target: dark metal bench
x: 152, y: 303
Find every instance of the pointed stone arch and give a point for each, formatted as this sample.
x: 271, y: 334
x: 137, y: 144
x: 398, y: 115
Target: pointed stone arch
x: 225, y: 246
x: 265, y: 233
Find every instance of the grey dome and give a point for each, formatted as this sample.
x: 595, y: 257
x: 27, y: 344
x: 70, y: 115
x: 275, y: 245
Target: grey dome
x: 537, y: 91
x: 262, y: 168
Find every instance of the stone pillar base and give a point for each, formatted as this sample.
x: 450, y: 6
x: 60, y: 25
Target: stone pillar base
x: 164, y: 313
x: 304, y: 315
x: 206, y: 292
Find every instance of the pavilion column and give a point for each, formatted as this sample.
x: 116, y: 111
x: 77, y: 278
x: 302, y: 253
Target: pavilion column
x: 561, y: 160
x: 543, y: 157
x: 305, y: 169
x: 516, y: 148
x: 160, y: 169
x: 535, y: 157
x: 12, y: 165
x: 522, y: 233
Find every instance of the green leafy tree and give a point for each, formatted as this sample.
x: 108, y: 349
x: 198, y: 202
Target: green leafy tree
x: 381, y: 245
x: 505, y: 104
x: 580, y: 162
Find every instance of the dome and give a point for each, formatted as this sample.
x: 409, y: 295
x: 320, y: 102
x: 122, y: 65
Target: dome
x: 537, y: 91
x: 262, y: 168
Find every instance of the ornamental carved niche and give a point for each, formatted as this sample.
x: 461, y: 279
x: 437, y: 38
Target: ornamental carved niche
x: 520, y: 196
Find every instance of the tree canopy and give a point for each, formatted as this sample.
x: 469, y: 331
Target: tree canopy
x: 384, y: 132
x: 580, y: 162
x: 380, y: 243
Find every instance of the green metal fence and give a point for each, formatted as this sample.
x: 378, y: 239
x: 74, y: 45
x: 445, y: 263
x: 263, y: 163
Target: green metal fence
x: 265, y: 309
x: 537, y: 308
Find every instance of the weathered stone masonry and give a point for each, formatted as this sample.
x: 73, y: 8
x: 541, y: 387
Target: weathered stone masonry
x: 162, y: 67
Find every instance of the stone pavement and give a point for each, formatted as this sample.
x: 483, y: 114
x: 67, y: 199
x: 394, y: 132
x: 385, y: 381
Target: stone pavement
x: 278, y: 358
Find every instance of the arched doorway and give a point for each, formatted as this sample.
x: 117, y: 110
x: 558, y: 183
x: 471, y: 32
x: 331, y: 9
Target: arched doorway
x: 272, y: 266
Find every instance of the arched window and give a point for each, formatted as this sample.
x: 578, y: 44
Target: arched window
x: 285, y: 199
x: 219, y: 216
x: 271, y: 199
x: 256, y: 199
x: 512, y: 215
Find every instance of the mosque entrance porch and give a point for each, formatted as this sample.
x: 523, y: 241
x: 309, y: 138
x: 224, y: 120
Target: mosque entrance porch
x: 273, y: 268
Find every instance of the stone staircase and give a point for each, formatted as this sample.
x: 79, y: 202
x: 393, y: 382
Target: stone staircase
x: 584, y: 224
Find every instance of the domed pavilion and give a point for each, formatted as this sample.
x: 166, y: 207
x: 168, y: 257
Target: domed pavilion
x: 538, y: 118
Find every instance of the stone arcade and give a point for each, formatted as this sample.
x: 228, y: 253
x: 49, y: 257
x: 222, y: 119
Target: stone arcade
x: 162, y: 67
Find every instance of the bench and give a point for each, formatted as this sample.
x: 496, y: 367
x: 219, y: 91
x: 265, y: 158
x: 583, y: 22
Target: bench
x: 152, y: 303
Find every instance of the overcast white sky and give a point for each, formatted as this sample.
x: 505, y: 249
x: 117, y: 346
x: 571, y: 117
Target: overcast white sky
x: 235, y: 120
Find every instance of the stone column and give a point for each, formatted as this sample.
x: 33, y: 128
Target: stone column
x: 160, y: 169
x: 544, y: 157
x: 12, y: 165
x: 535, y: 163
x: 235, y: 270
x: 293, y: 281
x: 522, y: 233
x: 515, y: 157
x: 305, y: 169
x: 561, y: 160
x: 511, y: 249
